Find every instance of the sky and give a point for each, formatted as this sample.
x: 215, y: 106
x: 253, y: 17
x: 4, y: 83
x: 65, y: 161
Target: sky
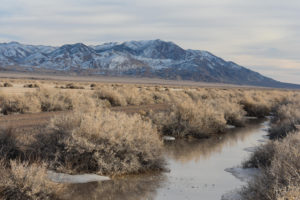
x: 261, y: 35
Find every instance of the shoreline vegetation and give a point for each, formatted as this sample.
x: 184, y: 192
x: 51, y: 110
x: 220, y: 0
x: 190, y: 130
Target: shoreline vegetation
x: 278, y: 159
x: 92, y: 138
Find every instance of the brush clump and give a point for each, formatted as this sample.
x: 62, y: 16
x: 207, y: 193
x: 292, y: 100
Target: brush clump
x: 102, y: 142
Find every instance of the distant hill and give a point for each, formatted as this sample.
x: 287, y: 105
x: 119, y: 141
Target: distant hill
x: 151, y: 58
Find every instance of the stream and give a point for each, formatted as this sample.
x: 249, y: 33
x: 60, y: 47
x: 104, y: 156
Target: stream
x: 199, y: 169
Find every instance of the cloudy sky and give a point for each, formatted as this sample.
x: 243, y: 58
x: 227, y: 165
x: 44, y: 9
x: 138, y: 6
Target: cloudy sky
x: 261, y: 35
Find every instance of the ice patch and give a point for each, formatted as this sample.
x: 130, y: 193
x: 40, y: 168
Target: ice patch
x: 243, y: 174
x: 83, y: 178
x: 168, y: 138
x: 230, y: 126
x: 232, y: 195
x: 262, y: 140
x: 250, y: 149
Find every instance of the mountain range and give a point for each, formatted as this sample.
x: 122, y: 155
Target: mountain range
x: 150, y: 58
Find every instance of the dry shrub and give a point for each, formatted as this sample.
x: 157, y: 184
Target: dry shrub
x: 131, y: 95
x: 199, y: 114
x: 256, y: 105
x: 71, y: 86
x: 23, y: 181
x: 31, y: 85
x: 280, y: 175
x: 233, y: 112
x: 286, y: 117
x: 193, y: 118
x: 262, y: 156
x: 281, y: 129
x: 93, y: 85
x: 7, y: 84
x: 18, y: 104
x: 8, y: 145
x: 103, y: 142
x: 45, y: 100
x: 53, y: 100
x: 114, y: 98
x: 289, y: 193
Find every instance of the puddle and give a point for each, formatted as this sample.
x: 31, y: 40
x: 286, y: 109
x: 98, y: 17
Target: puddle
x: 198, y: 167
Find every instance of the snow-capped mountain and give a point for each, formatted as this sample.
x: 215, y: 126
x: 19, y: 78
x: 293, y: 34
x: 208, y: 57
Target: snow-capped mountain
x: 151, y: 58
x: 14, y: 52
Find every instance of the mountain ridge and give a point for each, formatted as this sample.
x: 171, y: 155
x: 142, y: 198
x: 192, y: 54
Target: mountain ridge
x: 146, y: 58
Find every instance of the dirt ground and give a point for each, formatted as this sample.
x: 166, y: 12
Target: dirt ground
x: 41, y: 120
x: 105, y: 79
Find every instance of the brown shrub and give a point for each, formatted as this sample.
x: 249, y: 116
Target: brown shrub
x: 18, y: 104
x: 7, y: 84
x: 23, y: 181
x: 53, y: 100
x: 286, y: 117
x: 280, y: 175
x: 256, y: 105
x: 101, y: 141
x: 261, y: 157
x: 114, y: 98
x: 31, y: 85
x: 192, y: 118
x: 93, y: 85
x: 45, y: 100
x: 8, y: 146
x: 72, y: 86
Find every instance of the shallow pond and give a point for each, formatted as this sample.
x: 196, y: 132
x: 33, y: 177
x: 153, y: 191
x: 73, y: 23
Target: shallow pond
x: 198, y: 170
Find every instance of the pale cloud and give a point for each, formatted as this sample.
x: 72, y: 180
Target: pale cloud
x: 261, y: 35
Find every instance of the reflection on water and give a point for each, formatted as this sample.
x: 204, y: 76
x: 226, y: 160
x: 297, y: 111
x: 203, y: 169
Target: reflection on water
x: 126, y: 188
x: 184, y: 150
x: 196, y: 170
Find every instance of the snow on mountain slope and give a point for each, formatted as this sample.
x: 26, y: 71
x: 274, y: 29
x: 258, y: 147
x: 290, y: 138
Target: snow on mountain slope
x: 14, y: 53
x: 143, y: 58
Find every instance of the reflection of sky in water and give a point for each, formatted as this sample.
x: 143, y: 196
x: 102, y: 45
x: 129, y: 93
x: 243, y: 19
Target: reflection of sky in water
x: 197, y: 171
x: 197, y: 168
